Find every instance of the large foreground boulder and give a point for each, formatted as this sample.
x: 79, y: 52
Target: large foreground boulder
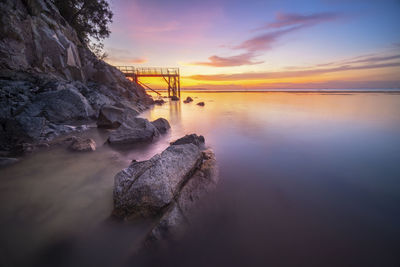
x: 183, y: 210
x: 167, y: 186
x: 198, y: 140
x: 133, y: 131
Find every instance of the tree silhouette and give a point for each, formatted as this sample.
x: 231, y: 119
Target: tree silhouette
x: 90, y: 19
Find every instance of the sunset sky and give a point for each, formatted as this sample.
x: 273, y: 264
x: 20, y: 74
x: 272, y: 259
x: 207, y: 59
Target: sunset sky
x: 259, y: 44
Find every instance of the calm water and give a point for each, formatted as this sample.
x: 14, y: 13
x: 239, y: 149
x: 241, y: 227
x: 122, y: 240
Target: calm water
x: 307, y: 179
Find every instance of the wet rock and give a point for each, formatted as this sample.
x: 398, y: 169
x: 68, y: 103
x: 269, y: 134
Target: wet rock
x: 170, y: 186
x: 200, y: 104
x: 25, y: 128
x: 174, y: 98
x: 7, y: 161
x: 162, y: 125
x: 112, y: 117
x: 188, y: 100
x: 198, y: 140
x: 65, y: 105
x: 83, y: 144
x: 134, y: 130
x: 146, y: 187
x: 182, y: 211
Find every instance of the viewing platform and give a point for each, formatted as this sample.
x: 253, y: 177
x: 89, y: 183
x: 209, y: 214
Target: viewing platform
x: 170, y: 75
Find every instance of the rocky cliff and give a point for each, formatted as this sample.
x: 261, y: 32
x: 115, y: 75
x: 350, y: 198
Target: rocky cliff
x: 51, y: 83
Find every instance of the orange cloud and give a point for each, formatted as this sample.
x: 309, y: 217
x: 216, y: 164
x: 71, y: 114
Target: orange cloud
x: 301, y: 72
x: 238, y: 60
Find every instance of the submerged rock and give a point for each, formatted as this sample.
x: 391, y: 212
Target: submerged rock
x: 188, y: 100
x: 134, y: 130
x: 83, y: 145
x: 162, y: 125
x: 169, y: 186
x: 200, y: 104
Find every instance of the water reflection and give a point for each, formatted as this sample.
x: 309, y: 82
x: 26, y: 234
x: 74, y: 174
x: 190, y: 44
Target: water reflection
x: 307, y: 179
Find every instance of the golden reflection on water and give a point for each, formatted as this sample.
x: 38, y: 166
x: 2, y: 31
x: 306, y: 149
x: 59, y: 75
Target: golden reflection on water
x: 285, y: 112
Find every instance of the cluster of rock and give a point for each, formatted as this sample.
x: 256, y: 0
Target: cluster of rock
x: 189, y: 99
x: 129, y: 129
x: 168, y: 186
x: 49, y: 80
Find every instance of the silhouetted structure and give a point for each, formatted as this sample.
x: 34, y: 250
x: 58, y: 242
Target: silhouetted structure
x: 170, y: 75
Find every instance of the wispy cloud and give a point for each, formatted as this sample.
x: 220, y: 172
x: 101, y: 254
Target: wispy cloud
x: 284, y: 24
x: 264, y: 41
x: 121, y: 56
x: 367, y: 63
x: 238, y: 60
x: 292, y: 19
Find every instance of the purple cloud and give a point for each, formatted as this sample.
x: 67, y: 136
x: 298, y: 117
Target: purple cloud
x: 238, y: 60
x: 284, y: 24
x: 264, y: 41
x: 292, y: 19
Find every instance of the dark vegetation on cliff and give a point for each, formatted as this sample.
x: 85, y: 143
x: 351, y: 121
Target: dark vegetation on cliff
x: 90, y: 19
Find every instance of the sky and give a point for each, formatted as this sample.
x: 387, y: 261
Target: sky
x: 255, y: 44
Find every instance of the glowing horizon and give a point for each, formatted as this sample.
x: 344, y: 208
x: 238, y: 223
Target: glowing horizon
x: 256, y: 45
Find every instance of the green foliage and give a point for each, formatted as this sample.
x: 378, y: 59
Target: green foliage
x: 90, y: 18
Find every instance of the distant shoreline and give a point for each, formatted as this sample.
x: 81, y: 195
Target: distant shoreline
x: 396, y: 91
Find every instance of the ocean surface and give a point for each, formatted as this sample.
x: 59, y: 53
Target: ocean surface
x: 307, y: 179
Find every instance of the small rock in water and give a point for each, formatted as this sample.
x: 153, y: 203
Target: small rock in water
x: 201, y: 104
x: 188, y: 100
x: 174, y: 98
x: 162, y: 125
x: 159, y: 102
x: 83, y: 145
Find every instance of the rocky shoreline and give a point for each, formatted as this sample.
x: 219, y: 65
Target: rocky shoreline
x: 52, y: 87
x: 50, y: 83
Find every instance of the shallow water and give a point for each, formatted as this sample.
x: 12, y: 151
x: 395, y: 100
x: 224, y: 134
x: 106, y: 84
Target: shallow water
x: 306, y: 179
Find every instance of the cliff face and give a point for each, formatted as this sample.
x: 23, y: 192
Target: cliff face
x: 49, y: 79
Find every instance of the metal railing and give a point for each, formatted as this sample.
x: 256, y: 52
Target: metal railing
x: 126, y: 69
x: 148, y: 70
